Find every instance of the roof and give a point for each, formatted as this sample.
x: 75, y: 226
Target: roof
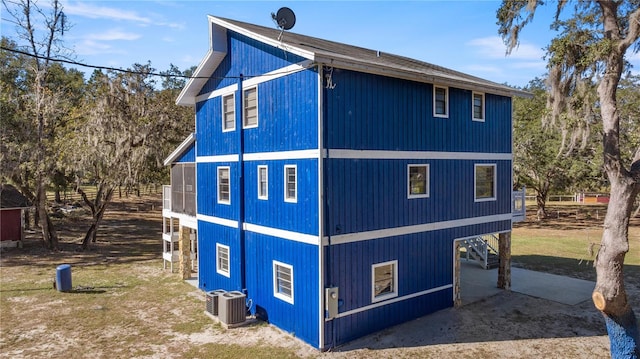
x: 333, y: 54
x: 11, y: 198
x: 180, y: 149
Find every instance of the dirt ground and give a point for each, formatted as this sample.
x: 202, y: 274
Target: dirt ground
x: 506, y: 325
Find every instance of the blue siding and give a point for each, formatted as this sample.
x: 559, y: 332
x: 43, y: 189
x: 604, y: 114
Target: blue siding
x: 211, y: 140
x: 368, y: 195
x: 300, y: 318
x: 247, y: 57
x: 371, y: 112
x: 208, y: 235
x: 301, y: 217
x: 188, y: 156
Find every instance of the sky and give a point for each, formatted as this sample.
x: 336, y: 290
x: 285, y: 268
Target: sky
x: 460, y: 35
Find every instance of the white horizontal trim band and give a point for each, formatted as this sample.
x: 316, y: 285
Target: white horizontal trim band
x: 185, y: 219
x: 418, y: 228
x: 218, y: 92
x: 281, y: 72
x: 281, y: 233
x: 216, y: 159
x: 391, y: 301
x: 417, y: 155
x: 285, y: 155
x: 217, y: 220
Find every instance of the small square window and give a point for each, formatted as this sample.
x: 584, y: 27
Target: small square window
x: 384, y: 281
x: 283, y: 281
x: 250, y: 106
x: 222, y: 260
x: 440, y: 101
x: 290, y: 184
x: 228, y: 113
x: 263, y: 182
x: 485, y: 182
x: 224, y: 185
x: 418, y: 181
x: 478, y: 106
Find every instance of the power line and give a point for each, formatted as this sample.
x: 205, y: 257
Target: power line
x: 108, y: 68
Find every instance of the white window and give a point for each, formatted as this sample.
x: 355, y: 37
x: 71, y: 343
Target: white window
x: 283, y: 281
x: 478, y: 106
x: 384, y: 281
x: 250, y: 118
x: 418, y: 181
x: 263, y: 182
x: 440, y: 101
x: 222, y: 260
x: 228, y: 113
x: 290, y: 184
x: 224, y: 185
x: 485, y: 182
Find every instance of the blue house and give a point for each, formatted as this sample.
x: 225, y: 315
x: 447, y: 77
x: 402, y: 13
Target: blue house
x: 333, y: 184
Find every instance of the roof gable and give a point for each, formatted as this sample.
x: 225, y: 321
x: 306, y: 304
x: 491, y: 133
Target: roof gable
x: 333, y: 54
x: 10, y: 197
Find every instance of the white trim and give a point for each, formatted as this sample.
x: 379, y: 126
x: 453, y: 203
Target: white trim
x: 219, y: 200
x: 244, y: 109
x: 265, y: 196
x: 418, y: 228
x: 417, y: 155
x: 391, y: 301
x: 281, y: 233
x: 446, y: 101
x: 293, y: 199
x: 233, y: 96
x: 226, y: 273
x: 394, y: 291
x: 217, y: 220
x: 473, y: 112
x: 216, y: 93
x: 181, y: 147
x: 217, y: 159
x: 185, y: 219
x: 284, y: 155
x: 427, y: 179
x: 475, y: 184
x: 276, y: 293
x: 281, y: 72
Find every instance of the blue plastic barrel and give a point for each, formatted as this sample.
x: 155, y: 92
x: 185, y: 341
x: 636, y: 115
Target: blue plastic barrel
x: 63, y: 278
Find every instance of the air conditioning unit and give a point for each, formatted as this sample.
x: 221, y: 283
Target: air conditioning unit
x: 232, y: 308
x: 212, y: 300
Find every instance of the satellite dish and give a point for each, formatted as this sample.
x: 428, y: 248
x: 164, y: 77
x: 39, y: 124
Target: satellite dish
x: 284, y: 18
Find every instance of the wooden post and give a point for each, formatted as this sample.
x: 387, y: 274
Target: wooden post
x: 184, y: 247
x: 457, y: 301
x: 504, y: 268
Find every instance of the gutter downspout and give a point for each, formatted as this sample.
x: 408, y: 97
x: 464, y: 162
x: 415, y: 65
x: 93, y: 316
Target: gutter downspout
x: 241, y: 199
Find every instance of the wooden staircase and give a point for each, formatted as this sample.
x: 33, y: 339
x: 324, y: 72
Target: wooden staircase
x: 483, y: 249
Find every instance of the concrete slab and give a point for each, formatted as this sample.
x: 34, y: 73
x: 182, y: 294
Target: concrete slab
x: 477, y: 283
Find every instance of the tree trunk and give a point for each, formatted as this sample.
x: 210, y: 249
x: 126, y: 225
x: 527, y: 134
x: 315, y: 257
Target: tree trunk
x: 541, y: 201
x: 49, y: 237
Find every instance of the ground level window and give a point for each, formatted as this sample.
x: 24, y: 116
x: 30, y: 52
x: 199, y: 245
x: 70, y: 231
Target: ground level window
x: 223, y: 185
x: 485, y: 182
x: 384, y: 278
x: 418, y: 181
x: 283, y: 281
x: 222, y: 260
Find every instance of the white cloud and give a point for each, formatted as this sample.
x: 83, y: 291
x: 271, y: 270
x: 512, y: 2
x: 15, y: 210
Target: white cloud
x: 492, y: 47
x: 102, y: 12
x: 113, y: 35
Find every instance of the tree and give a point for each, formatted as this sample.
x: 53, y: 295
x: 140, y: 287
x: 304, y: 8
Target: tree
x: 591, y: 47
x: 39, y: 33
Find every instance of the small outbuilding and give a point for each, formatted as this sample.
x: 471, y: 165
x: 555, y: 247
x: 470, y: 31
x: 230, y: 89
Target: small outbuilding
x: 12, y: 205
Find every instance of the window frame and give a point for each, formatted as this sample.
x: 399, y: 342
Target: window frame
x: 245, y: 108
x: 446, y: 101
x: 427, y: 181
x: 276, y: 289
x: 219, y: 268
x: 224, y: 112
x: 475, y: 182
x: 265, y: 195
x: 394, y: 292
x: 218, y: 187
x: 473, y: 106
x: 293, y: 199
